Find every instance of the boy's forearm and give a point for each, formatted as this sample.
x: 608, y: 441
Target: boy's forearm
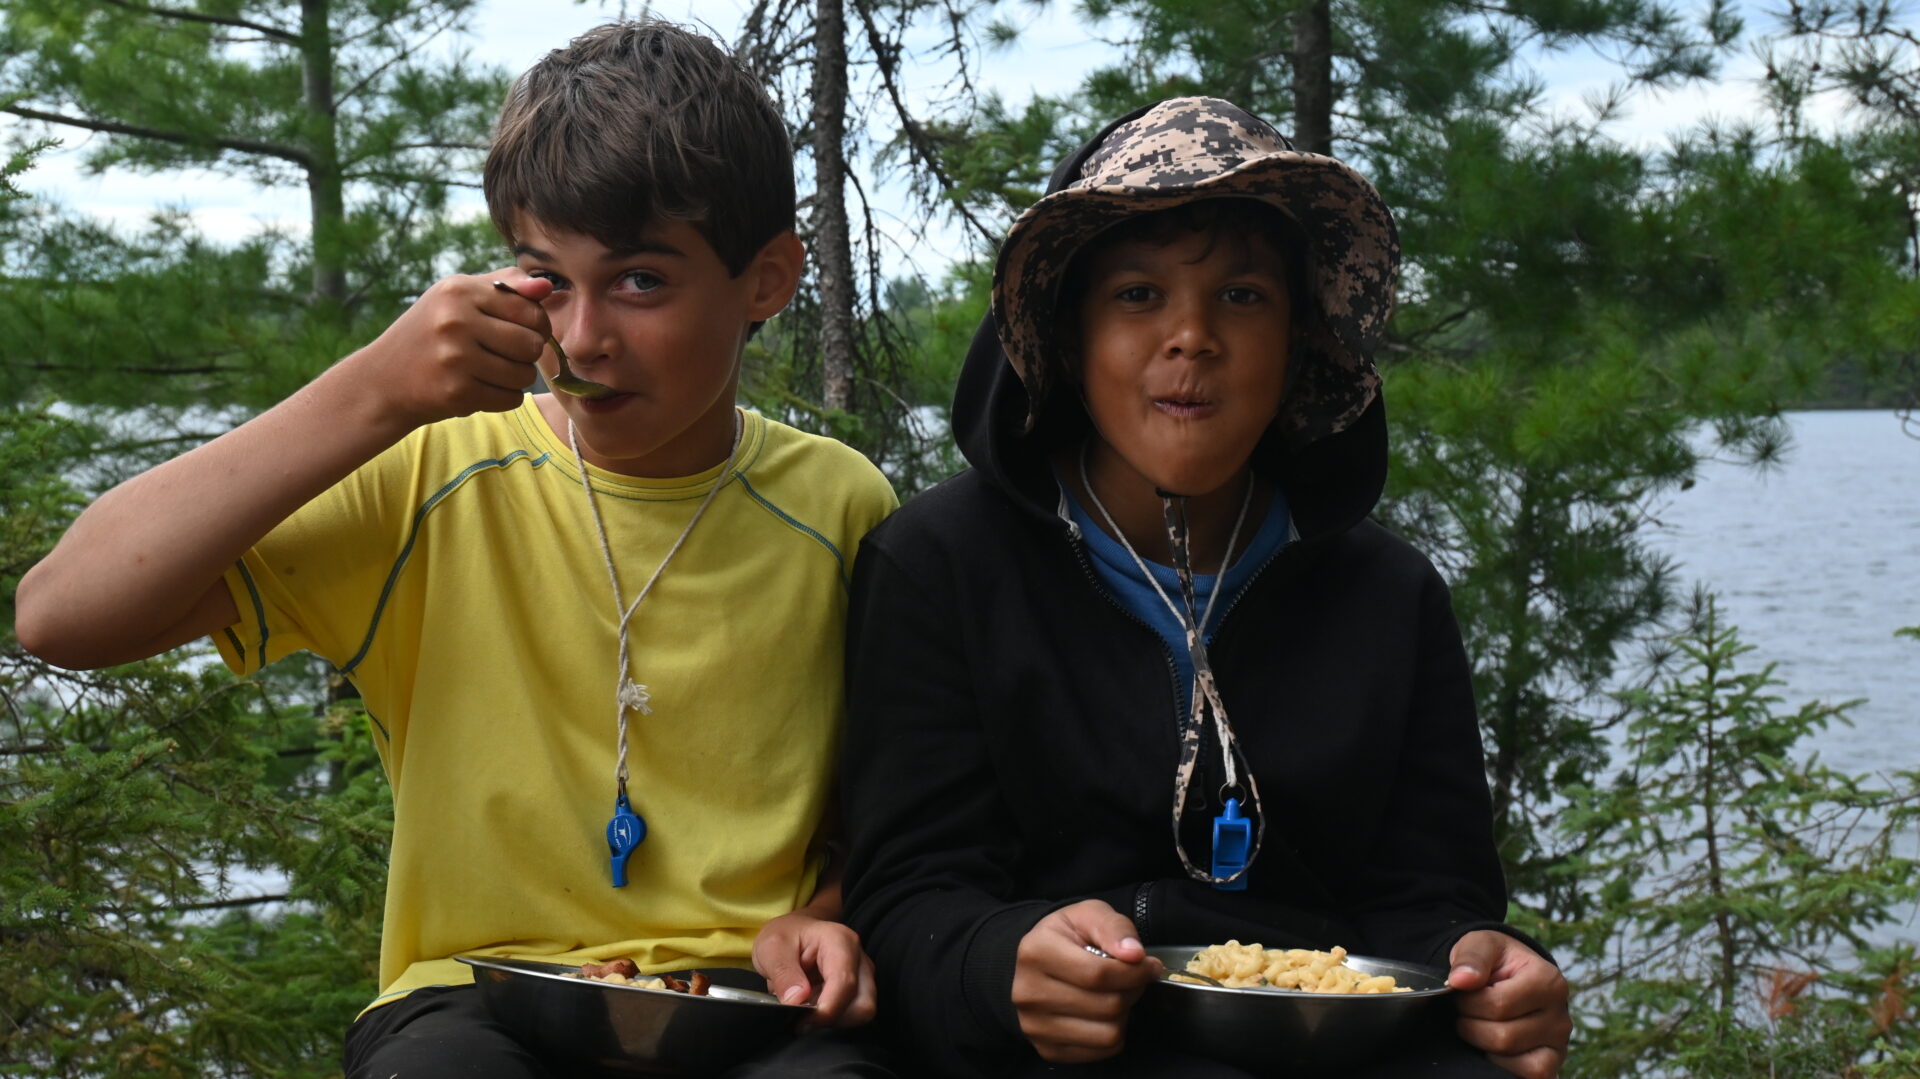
x: 139, y: 571
x: 826, y: 903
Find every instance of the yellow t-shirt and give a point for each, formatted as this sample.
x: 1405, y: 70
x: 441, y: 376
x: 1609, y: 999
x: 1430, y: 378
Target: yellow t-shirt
x: 457, y: 580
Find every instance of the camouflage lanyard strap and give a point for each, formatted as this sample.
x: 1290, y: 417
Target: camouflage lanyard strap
x: 1204, y: 699
x: 626, y: 828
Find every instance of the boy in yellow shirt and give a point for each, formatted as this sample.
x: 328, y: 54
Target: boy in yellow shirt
x: 598, y: 635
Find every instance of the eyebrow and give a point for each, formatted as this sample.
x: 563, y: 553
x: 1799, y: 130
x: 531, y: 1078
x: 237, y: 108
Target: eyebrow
x: 644, y: 247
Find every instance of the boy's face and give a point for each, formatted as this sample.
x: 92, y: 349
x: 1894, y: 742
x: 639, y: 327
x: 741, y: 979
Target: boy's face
x: 1183, y: 353
x: 664, y: 324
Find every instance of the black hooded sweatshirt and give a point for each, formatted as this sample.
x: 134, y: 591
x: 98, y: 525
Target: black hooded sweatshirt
x: 1012, y: 732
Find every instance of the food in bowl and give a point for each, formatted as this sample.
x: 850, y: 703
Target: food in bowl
x: 626, y: 972
x: 1302, y: 970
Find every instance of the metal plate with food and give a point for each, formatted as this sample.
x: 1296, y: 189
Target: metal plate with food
x: 633, y: 1029
x: 1267, y: 1029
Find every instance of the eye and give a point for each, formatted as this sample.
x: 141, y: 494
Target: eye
x: 1134, y: 294
x: 641, y: 280
x: 558, y: 281
x: 1241, y: 294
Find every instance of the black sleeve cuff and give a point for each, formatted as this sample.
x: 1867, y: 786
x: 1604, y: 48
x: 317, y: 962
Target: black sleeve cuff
x: 987, y: 971
x: 1442, y: 949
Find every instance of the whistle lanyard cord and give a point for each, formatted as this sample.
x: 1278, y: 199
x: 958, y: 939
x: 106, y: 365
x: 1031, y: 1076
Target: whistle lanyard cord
x: 1205, y: 695
x: 629, y: 694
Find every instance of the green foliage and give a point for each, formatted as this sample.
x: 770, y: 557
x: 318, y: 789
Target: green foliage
x: 1546, y: 399
x: 997, y: 162
x: 193, y: 866
x: 333, y: 98
x: 1394, y: 65
x: 1730, y: 884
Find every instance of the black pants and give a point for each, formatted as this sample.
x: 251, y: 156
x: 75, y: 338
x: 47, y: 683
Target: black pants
x: 1438, y: 1061
x: 1433, y: 1052
x: 444, y: 1032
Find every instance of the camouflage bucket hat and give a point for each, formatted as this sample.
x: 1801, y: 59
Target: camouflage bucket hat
x: 1191, y: 148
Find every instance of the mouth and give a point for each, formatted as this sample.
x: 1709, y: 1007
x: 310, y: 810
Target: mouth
x: 1186, y: 406
x: 603, y: 404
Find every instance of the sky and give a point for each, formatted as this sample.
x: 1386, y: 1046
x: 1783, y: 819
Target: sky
x: 1054, y: 52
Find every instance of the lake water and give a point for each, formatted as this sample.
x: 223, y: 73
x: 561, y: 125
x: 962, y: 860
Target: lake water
x: 1818, y: 563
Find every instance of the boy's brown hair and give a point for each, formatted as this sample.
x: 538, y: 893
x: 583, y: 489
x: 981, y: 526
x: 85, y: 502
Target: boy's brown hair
x: 638, y: 121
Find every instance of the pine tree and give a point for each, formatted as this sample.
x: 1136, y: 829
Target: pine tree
x: 335, y: 97
x: 840, y: 359
x: 1739, y: 881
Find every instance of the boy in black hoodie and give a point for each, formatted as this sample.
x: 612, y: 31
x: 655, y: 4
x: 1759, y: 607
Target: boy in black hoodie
x: 1176, y: 378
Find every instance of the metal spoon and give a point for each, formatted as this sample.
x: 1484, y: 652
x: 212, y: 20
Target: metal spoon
x: 1165, y: 975
x: 566, y: 381
x: 1179, y: 975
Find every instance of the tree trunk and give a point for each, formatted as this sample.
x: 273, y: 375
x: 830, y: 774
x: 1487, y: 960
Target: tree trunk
x: 324, y: 186
x: 833, y: 247
x: 1313, y: 77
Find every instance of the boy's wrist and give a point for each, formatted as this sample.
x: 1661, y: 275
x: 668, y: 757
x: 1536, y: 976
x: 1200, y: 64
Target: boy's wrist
x: 355, y: 390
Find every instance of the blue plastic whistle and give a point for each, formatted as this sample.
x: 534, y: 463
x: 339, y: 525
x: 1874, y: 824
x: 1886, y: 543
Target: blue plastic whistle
x: 1232, y: 843
x: 624, y: 833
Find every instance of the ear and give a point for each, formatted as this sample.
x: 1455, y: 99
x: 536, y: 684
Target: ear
x: 774, y: 275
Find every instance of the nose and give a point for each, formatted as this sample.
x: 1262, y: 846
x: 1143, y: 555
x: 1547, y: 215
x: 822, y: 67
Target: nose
x: 586, y: 331
x: 1190, y: 330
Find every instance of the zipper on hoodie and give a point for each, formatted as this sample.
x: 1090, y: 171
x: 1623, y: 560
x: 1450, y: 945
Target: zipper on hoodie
x: 1078, y: 542
x: 1293, y: 540
x: 1143, y: 910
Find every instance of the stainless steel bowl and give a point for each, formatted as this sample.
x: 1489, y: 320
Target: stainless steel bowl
x: 1267, y: 1030
x: 576, y: 1023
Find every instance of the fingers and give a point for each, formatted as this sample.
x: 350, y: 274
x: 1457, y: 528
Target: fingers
x: 1544, y: 1029
x: 779, y: 963
x: 834, y: 957
x: 1476, y: 956
x: 805, y: 958
x: 531, y: 288
x: 516, y: 299
x: 1522, y: 986
x: 1073, y: 1003
x: 1513, y: 1005
x: 464, y: 346
x: 516, y: 344
x: 1073, y: 1040
x: 848, y: 996
x: 1542, y: 1063
x: 1094, y: 922
x: 1067, y: 1023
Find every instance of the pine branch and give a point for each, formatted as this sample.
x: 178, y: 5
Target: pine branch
x: 210, y: 904
x: 380, y: 69
x: 245, y: 146
x: 208, y: 369
x: 388, y: 150
x: 274, y: 33
x: 917, y: 141
x: 385, y: 176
